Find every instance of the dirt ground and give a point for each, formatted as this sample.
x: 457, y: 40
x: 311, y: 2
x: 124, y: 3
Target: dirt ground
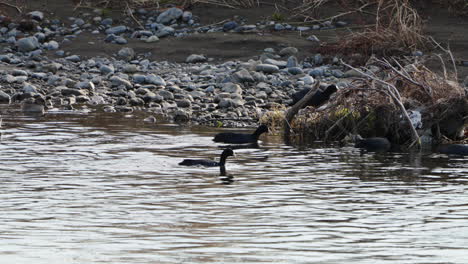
x: 443, y: 26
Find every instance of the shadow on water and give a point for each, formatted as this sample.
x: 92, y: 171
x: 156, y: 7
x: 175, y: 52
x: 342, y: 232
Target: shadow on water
x: 91, y: 187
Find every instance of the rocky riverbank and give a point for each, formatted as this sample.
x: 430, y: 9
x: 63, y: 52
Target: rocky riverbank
x: 36, y: 71
x: 40, y: 71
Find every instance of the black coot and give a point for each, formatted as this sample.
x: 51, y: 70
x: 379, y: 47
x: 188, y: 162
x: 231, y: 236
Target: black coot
x: 453, y: 149
x: 239, y: 138
x: 209, y: 163
x: 372, y: 143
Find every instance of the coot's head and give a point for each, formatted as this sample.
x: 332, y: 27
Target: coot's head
x: 227, y: 153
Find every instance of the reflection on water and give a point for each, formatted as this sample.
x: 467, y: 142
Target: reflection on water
x: 106, y: 188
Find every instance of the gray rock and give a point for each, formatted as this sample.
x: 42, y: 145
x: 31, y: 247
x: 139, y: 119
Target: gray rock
x: 27, y: 44
x: 154, y: 79
x: 292, y: 62
x: 226, y: 103
x: 166, y: 95
x: 73, y: 58
x: 126, y: 53
x: 4, y: 98
x: 117, y: 81
x: 317, y: 72
x: 288, y: 51
x: 139, y: 78
x: 267, y: 68
x: 71, y: 91
x: 318, y: 59
x: 313, y: 38
x: 195, y: 58
x: 106, y: 69
x: 116, y: 30
x: 184, y: 103
x: 36, y: 15
x: 337, y: 73
x: 120, y: 40
x: 280, y: 64
x: 181, y: 116
x: 232, y: 88
x: 150, y: 119
x: 187, y: 16
x: 29, y: 88
x: 165, y: 31
x: 295, y: 70
x: 130, y: 68
x: 169, y: 15
x: 106, y: 21
x: 152, y: 39
x: 52, y: 45
x: 243, y: 76
x: 18, y: 72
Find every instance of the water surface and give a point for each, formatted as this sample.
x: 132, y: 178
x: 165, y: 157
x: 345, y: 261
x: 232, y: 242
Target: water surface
x: 106, y: 188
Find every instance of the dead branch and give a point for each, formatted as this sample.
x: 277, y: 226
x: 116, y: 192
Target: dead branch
x: 10, y: 5
x: 396, y: 98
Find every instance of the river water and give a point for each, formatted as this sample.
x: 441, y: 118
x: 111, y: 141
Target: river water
x: 106, y: 188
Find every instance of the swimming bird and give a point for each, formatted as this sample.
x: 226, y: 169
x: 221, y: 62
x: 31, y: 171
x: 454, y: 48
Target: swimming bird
x: 240, y: 138
x: 372, y: 143
x: 209, y: 163
x: 453, y: 149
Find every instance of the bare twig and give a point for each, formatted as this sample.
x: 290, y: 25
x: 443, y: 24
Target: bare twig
x: 130, y: 12
x: 10, y: 5
x: 394, y: 94
x: 449, y: 52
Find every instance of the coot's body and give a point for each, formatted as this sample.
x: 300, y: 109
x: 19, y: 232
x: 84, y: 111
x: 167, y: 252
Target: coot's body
x: 372, y: 143
x: 453, y: 149
x: 209, y: 163
x: 240, y: 138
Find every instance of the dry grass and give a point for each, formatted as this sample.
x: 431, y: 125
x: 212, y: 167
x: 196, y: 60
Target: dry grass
x: 366, y: 107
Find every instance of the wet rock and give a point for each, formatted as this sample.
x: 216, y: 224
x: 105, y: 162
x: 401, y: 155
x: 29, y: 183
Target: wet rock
x: 313, y: 38
x: 4, y: 98
x: 169, y: 15
x: 126, y: 53
x: 267, y: 68
x: 29, y: 88
x: 135, y: 101
x: 150, y: 119
x: 195, y: 58
x: 28, y: 44
x: 182, y: 116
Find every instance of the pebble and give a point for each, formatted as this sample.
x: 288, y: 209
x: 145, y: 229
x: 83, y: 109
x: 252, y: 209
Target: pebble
x: 126, y: 53
x: 28, y: 44
x: 196, y: 58
x: 169, y: 15
x: 267, y: 68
